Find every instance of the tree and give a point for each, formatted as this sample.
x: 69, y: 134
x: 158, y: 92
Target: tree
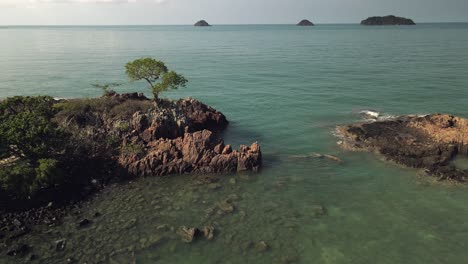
x: 156, y: 74
x: 26, y: 128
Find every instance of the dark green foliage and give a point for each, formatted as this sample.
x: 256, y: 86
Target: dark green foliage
x: 30, y: 142
x: 48, y: 173
x: 156, y: 74
x: 25, y: 127
x: 17, y: 178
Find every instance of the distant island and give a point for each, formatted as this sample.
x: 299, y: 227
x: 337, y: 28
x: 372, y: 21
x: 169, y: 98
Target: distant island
x: 387, y: 21
x: 305, y: 22
x: 202, y: 23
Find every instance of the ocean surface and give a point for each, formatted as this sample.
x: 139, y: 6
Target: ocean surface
x: 286, y: 87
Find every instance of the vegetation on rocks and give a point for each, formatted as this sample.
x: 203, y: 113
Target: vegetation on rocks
x: 54, y: 148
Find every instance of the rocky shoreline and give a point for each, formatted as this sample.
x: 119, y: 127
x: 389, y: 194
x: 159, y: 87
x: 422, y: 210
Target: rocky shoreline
x: 148, y: 139
x: 429, y: 142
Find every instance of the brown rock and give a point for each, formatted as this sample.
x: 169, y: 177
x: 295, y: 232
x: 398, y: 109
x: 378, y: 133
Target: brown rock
x: 187, y: 234
x: 208, y: 232
x: 226, y: 206
x: 430, y: 142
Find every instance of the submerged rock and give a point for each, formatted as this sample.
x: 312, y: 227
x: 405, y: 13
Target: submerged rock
x: 187, y: 234
x: 202, y: 23
x: 305, y: 22
x: 430, y: 142
x: 261, y: 246
x: 84, y: 223
x: 60, y: 245
x: 387, y: 20
x: 226, y: 206
x: 18, y: 250
x: 208, y: 232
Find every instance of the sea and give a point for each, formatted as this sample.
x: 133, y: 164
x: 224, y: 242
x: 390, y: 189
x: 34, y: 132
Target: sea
x: 287, y: 88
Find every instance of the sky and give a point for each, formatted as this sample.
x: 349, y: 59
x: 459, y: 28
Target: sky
x: 185, y: 12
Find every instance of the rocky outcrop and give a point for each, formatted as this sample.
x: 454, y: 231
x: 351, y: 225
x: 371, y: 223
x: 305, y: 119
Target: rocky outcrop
x: 305, y: 22
x: 198, y: 152
x: 202, y: 23
x: 430, y: 142
x: 172, y: 137
x: 387, y: 21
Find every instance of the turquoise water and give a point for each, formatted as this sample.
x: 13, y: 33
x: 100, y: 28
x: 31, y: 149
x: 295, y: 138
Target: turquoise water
x: 286, y: 87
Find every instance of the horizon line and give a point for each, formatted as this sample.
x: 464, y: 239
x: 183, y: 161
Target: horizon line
x: 233, y: 24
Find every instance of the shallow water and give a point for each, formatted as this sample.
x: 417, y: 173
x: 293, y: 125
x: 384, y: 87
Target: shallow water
x: 286, y: 87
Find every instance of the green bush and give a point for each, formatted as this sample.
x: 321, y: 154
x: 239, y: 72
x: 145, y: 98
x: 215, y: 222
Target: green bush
x: 85, y: 106
x: 26, y: 128
x: 17, y: 178
x: 48, y: 173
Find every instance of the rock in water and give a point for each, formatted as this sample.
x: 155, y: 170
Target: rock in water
x: 429, y: 142
x: 202, y: 23
x: 261, y: 246
x: 60, y: 244
x: 187, y: 234
x: 305, y: 22
x: 387, y: 21
x: 208, y: 232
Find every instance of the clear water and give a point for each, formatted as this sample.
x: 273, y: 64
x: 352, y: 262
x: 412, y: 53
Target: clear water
x: 286, y: 87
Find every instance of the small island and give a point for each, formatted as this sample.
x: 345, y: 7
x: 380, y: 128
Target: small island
x: 431, y: 142
x: 387, y: 21
x: 202, y: 23
x: 58, y: 149
x: 305, y: 23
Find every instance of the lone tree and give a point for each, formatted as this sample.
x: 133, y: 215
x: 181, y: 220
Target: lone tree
x: 157, y: 75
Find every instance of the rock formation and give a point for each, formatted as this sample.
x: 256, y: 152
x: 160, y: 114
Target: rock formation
x: 172, y: 138
x: 202, y: 23
x: 305, y: 22
x: 430, y: 142
x: 387, y: 21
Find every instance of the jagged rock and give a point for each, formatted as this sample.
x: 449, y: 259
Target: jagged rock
x: 202, y: 23
x: 172, y: 137
x: 193, y: 153
x: 430, y: 142
x: 387, y: 20
x: 305, y: 22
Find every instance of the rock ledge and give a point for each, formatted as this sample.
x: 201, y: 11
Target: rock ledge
x: 429, y: 142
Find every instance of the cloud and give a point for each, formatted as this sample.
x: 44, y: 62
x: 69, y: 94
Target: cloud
x: 36, y: 2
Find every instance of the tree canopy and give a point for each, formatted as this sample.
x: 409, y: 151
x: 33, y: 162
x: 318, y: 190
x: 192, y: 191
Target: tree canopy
x: 156, y: 74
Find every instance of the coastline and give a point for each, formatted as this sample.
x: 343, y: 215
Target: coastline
x: 148, y: 139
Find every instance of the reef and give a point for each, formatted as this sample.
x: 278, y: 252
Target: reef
x: 430, y: 142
